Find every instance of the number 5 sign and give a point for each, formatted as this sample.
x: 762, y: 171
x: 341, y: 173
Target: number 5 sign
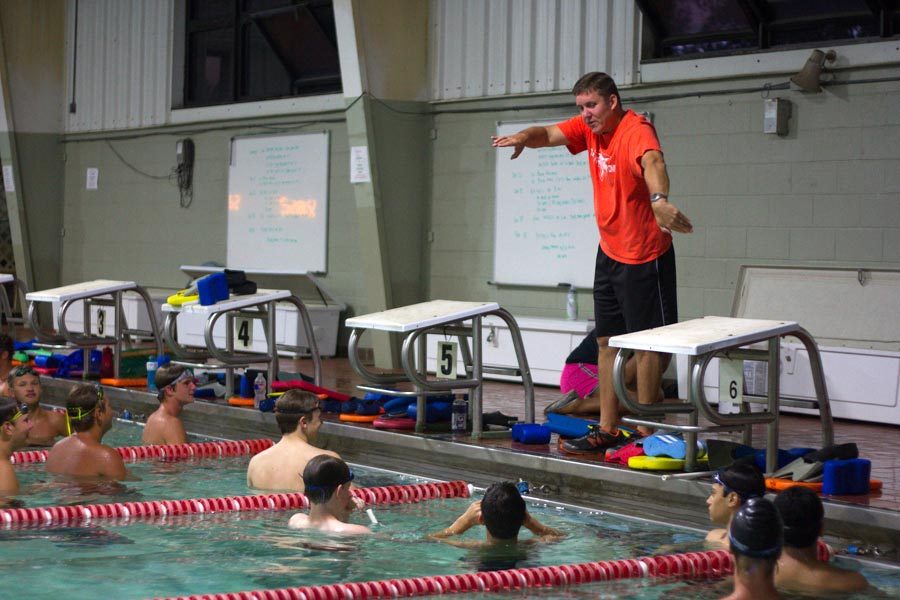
x: 446, y: 360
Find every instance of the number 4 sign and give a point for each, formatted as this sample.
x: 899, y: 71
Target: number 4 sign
x: 446, y: 360
x: 243, y: 333
x: 731, y: 384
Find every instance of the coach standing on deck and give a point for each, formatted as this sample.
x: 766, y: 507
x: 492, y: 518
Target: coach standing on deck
x: 634, y: 277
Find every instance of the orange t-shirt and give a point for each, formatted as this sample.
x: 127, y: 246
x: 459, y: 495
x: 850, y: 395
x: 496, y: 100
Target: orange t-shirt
x: 628, y: 230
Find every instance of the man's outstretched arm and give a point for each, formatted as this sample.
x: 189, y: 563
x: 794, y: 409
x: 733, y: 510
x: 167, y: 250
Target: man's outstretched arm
x: 532, y: 137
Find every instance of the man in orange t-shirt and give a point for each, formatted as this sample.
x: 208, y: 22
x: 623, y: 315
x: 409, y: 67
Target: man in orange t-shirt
x: 634, y: 276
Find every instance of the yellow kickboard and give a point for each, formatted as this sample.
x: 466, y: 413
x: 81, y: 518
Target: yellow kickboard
x: 661, y: 463
x: 179, y: 298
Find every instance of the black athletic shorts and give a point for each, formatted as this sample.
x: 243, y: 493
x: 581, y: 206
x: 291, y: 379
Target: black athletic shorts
x: 630, y: 298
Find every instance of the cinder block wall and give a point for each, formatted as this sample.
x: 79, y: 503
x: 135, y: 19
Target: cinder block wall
x: 827, y: 194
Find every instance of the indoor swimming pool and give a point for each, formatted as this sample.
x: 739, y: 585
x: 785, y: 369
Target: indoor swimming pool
x: 214, y: 553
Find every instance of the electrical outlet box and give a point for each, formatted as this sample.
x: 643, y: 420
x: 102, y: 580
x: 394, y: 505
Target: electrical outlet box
x: 776, y: 114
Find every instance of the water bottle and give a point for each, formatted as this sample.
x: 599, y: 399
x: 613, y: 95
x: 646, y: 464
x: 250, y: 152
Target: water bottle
x: 863, y: 550
x: 151, y: 374
x: 259, y: 389
x: 106, y: 362
x: 571, y: 307
x: 458, y: 415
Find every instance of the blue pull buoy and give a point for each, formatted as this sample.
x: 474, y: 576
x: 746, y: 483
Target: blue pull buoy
x: 126, y: 414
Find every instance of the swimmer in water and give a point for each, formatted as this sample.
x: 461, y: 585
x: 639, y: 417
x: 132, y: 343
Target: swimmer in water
x: 503, y: 513
x: 176, y: 387
x: 14, y: 428
x: 755, y: 539
x: 24, y: 385
x: 799, y: 568
x: 299, y: 418
x: 327, y: 485
x: 733, y: 486
x: 82, y: 455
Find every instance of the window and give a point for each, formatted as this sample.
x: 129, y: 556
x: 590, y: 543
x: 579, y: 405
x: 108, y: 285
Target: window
x: 692, y: 28
x: 247, y: 50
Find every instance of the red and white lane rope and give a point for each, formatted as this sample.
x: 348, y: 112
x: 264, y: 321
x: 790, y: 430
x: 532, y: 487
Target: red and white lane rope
x: 715, y: 563
x: 709, y: 563
x: 167, y: 451
x: 55, y: 515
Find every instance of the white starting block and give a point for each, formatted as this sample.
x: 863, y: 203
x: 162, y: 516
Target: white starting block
x: 100, y: 292
x: 237, y: 310
x: 446, y: 317
x: 701, y: 340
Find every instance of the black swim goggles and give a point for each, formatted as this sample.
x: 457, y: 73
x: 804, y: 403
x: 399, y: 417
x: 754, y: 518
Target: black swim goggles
x: 23, y: 370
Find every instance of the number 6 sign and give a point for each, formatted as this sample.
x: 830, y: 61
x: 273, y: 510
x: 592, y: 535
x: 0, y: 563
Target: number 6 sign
x: 731, y: 384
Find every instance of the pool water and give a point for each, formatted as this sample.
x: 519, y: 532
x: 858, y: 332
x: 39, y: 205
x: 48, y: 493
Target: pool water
x: 172, y: 556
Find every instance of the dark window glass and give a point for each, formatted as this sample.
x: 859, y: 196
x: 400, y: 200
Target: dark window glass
x: 211, y: 9
x: 211, y: 66
x: 784, y: 10
x: 689, y: 17
x: 243, y: 50
x: 683, y: 28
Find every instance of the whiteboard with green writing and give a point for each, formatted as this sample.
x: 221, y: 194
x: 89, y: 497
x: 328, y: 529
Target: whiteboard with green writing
x: 544, y: 227
x: 278, y: 203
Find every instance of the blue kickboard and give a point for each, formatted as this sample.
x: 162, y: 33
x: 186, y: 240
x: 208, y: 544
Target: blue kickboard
x: 567, y: 426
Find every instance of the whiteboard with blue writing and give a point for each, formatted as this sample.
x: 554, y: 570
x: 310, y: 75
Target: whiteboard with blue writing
x: 278, y: 203
x: 544, y: 227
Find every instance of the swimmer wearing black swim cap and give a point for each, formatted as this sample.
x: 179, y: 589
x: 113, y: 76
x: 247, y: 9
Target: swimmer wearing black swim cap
x: 755, y: 538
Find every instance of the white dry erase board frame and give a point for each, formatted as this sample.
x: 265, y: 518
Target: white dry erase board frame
x: 544, y: 227
x: 278, y: 203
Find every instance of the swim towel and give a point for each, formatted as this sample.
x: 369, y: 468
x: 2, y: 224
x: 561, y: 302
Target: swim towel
x: 670, y: 444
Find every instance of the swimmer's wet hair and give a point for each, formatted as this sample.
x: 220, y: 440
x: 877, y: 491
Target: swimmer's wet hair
x: 322, y: 476
x: 81, y: 406
x: 291, y: 406
x: 503, y: 510
x: 802, y: 513
x: 165, y: 376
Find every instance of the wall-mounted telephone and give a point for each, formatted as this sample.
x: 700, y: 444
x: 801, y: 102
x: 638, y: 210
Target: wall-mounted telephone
x: 184, y: 170
x: 184, y: 152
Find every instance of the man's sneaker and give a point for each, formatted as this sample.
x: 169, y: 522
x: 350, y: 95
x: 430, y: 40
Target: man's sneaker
x: 595, y: 442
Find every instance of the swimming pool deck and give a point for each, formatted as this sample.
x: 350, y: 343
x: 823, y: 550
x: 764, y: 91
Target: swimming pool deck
x: 872, y: 519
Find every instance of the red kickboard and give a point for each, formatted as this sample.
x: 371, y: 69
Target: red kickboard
x: 399, y: 423
x: 299, y: 384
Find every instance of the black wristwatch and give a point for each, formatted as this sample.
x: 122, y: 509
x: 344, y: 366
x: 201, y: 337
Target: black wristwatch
x: 657, y: 196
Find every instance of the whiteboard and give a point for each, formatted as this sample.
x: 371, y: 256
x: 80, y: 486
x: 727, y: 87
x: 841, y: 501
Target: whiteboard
x: 544, y: 227
x: 278, y: 203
